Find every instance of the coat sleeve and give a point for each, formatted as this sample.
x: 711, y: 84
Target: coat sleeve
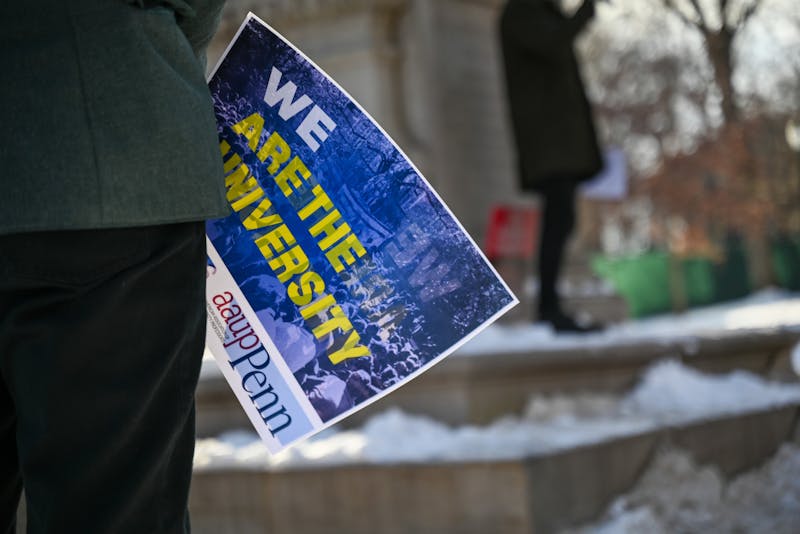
x: 541, y: 29
x: 197, y: 19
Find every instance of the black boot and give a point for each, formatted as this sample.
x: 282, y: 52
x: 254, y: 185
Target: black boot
x: 561, y: 322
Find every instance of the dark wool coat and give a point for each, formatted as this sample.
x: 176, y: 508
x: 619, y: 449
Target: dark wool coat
x: 550, y: 114
x: 106, y: 119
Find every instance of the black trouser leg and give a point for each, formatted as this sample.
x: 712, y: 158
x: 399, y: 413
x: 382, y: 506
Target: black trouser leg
x: 101, y: 341
x: 558, y: 221
x: 10, y: 479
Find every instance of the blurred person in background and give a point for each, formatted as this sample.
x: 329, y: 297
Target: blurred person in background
x: 557, y: 147
x: 110, y: 164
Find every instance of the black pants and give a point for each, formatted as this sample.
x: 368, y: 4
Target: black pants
x: 558, y: 221
x: 101, y: 340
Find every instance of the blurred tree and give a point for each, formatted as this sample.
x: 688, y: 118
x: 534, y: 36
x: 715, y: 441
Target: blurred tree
x: 718, y: 22
x: 752, y: 195
x: 696, y: 92
x: 666, y: 74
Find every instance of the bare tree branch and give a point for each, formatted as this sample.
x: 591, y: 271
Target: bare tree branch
x: 699, y: 11
x: 723, y: 7
x: 749, y: 10
x: 670, y: 5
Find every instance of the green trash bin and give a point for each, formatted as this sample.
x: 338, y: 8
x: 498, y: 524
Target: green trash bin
x: 643, y: 281
x: 786, y: 261
x: 731, y: 276
x: 698, y: 279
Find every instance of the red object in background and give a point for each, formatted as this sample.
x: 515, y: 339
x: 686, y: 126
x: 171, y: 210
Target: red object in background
x: 513, y: 232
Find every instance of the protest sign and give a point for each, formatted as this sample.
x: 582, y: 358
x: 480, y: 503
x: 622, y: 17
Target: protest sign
x: 339, y: 274
x: 611, y: 183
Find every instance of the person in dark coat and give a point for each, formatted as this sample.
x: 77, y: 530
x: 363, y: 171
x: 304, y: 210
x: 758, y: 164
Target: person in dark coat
x: 552, y: 122
x: 110, y: 165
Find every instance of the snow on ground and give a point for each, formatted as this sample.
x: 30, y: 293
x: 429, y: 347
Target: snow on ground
x: 677, y: 495
x: 795, y: 358
x: 763, y: 310
x: 396, y: 437
x: 669, y: 393
x: 672, y: 393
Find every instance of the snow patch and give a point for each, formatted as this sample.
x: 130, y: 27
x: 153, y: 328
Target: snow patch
x: 672, y: 392
x: 669, y: 393
x: 677, y: 495
x: 768, y: 309
x: 795, y: 358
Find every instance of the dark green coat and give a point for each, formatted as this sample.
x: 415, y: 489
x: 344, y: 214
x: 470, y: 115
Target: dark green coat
x: 105, y: 116
x: 550, y: 114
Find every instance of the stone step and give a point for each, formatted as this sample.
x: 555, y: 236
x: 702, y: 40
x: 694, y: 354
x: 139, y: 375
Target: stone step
x: 538, y: 494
